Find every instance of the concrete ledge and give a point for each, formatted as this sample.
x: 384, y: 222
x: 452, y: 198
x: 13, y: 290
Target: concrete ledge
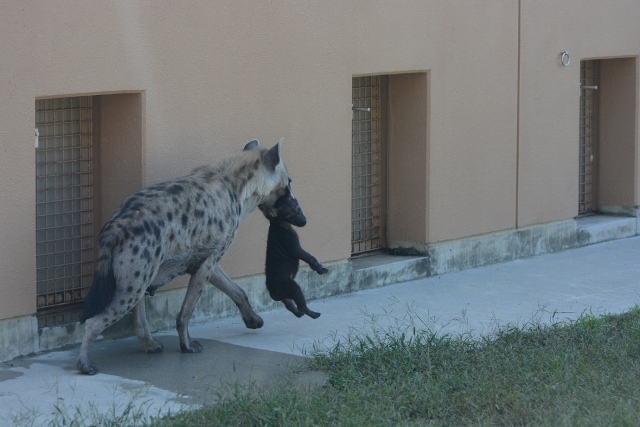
x: 19, y: 337
x: 163, y: 308
x: 382, y: 270
x: 608, y: 210
x: 502, y: 246
x: 601, y: 228
x: 53, y: 338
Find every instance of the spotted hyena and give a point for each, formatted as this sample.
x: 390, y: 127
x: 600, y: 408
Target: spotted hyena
x: 183, y: 226
x: 284, y: 254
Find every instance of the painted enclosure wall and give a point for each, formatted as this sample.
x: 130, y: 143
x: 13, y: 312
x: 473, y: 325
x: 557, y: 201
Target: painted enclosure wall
x: 192, y: 82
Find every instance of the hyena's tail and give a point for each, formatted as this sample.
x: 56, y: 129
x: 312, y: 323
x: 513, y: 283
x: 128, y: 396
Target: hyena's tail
x: 104, y: 285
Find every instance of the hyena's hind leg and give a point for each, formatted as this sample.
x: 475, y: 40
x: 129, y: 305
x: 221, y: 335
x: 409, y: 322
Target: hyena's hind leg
x: 141, y: 329
x: 92, y: 329
x: 110, y: 315
x: 114, y: 311
x: 99, y: 315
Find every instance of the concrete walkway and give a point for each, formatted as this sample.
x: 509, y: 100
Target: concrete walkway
x: 132, y: 385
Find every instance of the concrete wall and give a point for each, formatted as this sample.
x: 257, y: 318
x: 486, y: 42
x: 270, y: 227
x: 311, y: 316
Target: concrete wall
x: 185, y: 83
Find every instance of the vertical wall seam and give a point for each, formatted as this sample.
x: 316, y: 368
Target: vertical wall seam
x: 637, y: 136
x: 518, y: 112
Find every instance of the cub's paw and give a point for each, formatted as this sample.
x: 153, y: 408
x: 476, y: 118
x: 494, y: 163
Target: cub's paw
x: 313, y: 314
x: 321, y: 269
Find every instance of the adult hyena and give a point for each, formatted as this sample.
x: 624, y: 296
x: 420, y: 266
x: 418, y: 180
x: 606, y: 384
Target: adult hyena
x: 183, y: 226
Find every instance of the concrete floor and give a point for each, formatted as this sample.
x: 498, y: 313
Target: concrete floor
x: 602, y: 278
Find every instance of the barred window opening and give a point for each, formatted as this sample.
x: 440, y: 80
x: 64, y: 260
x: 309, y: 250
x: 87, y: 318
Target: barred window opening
x: 366, y: 166
x: 64, y: 201
x: 588, y: 139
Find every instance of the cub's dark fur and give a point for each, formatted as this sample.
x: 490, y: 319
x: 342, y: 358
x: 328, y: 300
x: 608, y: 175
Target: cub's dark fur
x: 284, y: 254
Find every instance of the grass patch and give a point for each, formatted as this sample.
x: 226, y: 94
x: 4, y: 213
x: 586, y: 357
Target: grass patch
x: 585, y: 373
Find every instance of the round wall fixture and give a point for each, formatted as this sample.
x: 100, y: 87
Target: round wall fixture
x: 564, y: 59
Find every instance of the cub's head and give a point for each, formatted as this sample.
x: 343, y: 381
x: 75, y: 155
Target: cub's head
x: 285, y: 209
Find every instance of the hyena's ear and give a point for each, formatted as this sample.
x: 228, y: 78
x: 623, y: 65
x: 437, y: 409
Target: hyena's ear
x: 251, y: 145
x: 272, y: 157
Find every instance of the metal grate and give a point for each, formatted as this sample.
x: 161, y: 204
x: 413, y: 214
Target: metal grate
x: 64, y: 202
x: 366, y: 166
x: 588, y: 140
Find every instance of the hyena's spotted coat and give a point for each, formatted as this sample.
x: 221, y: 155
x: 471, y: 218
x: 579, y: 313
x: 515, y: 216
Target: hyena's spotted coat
x: 183, y: 226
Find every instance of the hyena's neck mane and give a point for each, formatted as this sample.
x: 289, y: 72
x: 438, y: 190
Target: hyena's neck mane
x: 243, y: 174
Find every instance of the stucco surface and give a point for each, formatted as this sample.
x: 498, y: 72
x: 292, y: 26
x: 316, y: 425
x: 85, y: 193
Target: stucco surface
x: 549, y: 95
x: 502, y: 116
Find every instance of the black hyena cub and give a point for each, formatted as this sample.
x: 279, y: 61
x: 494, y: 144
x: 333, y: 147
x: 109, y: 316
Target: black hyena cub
x: 284, y: 254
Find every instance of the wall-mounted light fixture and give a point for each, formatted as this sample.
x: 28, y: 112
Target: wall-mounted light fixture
x: 564, y: 59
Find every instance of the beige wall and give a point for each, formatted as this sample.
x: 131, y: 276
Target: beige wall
x: 549, y: 95
x: 617, y: 142
x: 120, y: 145
x: 209, y: 76
x: 407, y: 152
x: 472, y: 148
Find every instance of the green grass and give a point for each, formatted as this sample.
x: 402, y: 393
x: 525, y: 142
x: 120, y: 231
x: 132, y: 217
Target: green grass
x: 585, y: 373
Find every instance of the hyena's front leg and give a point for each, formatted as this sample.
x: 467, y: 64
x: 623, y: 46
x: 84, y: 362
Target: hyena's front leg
x: 141, y: 329
x: 197, y: 283
x: 220, y: 280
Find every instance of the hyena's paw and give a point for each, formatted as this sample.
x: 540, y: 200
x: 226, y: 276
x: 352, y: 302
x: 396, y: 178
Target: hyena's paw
x: 157, y: 347
x: 254, y: 322
x: 194, y: 347
x: 87, y: 367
